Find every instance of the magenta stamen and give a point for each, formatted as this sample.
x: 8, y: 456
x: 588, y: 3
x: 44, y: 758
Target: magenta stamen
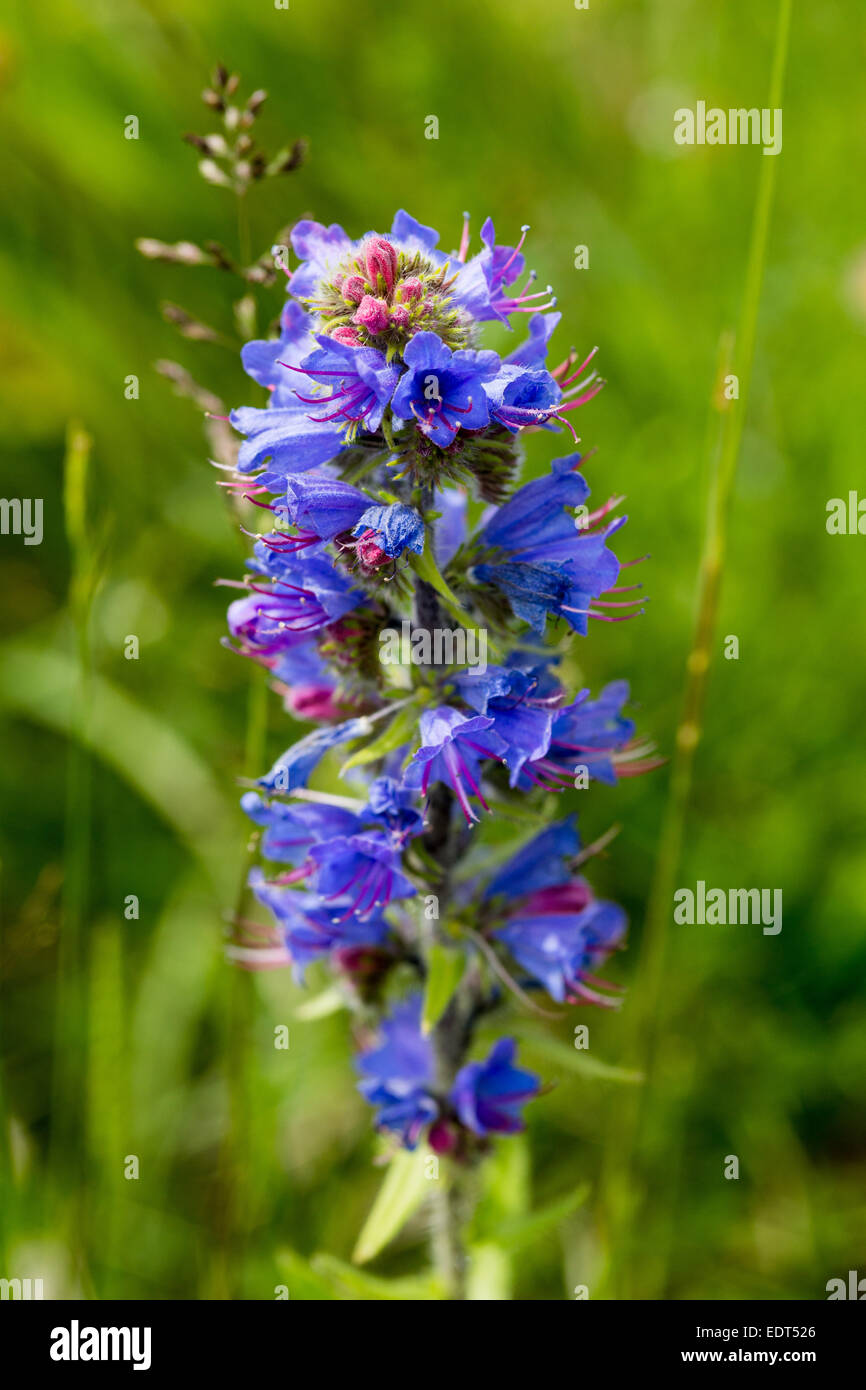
x: 585, y: 398
x: 517, y: 249
x: 294, y: 877
x: 464, y: 240
x: 346, y: 886
x: 454, y: 767
x: 266, y: 506
x: 626, y: 603
x: 464, y: 768
x: 585, y: 363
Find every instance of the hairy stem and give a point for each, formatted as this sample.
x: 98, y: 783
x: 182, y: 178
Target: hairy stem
x: 453, y: 1032
x: 451, y: 1038
x: 449, y: 1255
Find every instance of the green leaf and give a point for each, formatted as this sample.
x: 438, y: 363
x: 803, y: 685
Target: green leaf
x: 302, y: 1281
x: 426, y: 568
x: 403, y: 1190
x: 148, y: 753
x: 400, y: 730
x: 489, y: 1279
x: 445, y: 967
x: 575, y: 1059
x: 504, y: 1197
x: 515, y: 1235
x: 328, y: 1001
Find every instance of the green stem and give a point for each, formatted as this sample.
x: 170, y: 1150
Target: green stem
x: 235, y: 1160
x: 68, y: 1078
x: 726, y: 431
x: 243, y: 229
x: 449, y: 1255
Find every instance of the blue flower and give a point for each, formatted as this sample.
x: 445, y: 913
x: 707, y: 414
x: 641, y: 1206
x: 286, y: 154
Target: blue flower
x: 533, y: 519
x: 287, y: 437
x: 329, y: 256
x: 488, y: 1095
x: 533, y: 350
x: 393, y: 529
x: 586, y: 733
x: 562, y: 934
x: 311, y: 929
x: 292, y: 830
x: 521, y: 718
x: 551, y: 565
x: 306, y: 423
x: 265, y: 359
x: 444, y: 390
x: 555, y: 928
x: 543, y: 863
x: 399, y: 1074
x: 321, y: 508
x: 502, y: 265
x: 293, y: 768
x: 520, y: 396
x: 359, y: 383
x: 305, y: 594
x: 394, y: 805
x: 363, y: 868
x: 452, y: 747
x: 322, y: 251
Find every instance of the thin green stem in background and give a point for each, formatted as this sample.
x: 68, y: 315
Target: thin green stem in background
x: 233, y: 1178
x: 737, y: 356
x: 68, y: 1063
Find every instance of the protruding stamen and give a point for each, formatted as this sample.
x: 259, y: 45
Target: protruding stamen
x: 464, y: 240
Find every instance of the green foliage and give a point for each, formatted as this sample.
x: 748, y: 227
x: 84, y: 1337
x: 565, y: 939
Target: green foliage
x: 131, y: 1036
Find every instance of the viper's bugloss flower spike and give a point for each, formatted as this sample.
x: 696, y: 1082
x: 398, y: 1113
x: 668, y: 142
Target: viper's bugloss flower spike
x: 387, y: 421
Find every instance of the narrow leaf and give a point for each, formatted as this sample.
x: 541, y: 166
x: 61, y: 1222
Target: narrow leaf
x: 400, y: 730
x: 403, y: 1190
x: 523, y: 1231
x: 329, y: 1001
x: 426, y: 568
x: 577, y: 1060
x: 444, y: 970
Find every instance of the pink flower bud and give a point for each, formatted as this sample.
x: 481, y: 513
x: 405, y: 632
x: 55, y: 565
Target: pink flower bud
x: 372, y: 314
x: 561, y: 898
x: 410, y: 289
x: 362, y: 962
x: 347, y: 335
x: 354, y: 288
x: 371, y: 555
x: 442, y: 1137
x: 313, y: 702
x: 399, y: 316
x: 381, y: 259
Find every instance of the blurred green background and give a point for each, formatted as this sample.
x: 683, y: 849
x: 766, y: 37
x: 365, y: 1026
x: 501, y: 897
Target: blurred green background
x: 132, y: 1036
